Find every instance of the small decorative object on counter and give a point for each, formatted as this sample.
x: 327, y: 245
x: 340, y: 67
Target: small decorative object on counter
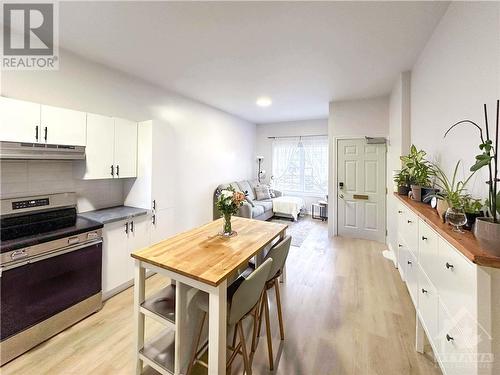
x: 473, y: 210
x: 402, y: 181
x: 456, y: 217
x: 228, y: 203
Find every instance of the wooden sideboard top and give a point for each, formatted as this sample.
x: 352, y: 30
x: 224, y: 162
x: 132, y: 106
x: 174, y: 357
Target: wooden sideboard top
x: 466, y: 243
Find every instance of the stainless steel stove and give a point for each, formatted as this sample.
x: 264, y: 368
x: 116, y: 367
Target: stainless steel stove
x: 50, y: 269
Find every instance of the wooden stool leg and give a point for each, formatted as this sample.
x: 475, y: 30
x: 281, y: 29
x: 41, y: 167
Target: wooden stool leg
x: 256, y: 323
x: 278, y: 304
x: 248, y: 368
x: 268, y: 334
x: 196, y: 344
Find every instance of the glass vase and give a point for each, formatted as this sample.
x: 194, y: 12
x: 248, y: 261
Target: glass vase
x: 457, y: 218
x: 227, y: 230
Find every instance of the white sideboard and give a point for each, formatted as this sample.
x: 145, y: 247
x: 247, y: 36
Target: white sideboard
x: 455, y: 287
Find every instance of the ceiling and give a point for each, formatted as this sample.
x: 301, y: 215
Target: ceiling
x: 301, y: 54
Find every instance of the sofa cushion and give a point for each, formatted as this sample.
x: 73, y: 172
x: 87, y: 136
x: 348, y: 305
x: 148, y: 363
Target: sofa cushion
x: 257, y: 211
x: 262, y: 192
x: 246, y: 188
x: 267, y: 204
x: 235, y: 186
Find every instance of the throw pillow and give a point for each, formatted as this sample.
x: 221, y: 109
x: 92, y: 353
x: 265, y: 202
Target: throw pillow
x: 262, y: 192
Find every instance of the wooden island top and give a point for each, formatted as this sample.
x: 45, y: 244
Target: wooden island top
x: 202, y: 255
x: 466, y: 243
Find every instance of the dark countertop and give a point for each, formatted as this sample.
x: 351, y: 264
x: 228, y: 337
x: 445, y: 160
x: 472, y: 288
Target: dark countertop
x: 81, y: 225
x: 112, y: 214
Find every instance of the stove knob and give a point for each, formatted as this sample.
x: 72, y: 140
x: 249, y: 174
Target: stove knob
x: 92, y: 235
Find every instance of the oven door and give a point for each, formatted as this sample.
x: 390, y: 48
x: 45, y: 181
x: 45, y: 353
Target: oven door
x: 35, y: 291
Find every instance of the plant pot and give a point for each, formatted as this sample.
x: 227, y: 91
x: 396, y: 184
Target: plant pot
x: 441, y: 208
x: 416, y: 193
x: 471, y: 219
x: 488, y: 234
x: 403, y: 190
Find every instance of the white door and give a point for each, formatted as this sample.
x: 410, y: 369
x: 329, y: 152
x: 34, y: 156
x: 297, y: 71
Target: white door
x: 125, y: 148
x: 163, y: 159
x: 63, y: 126
x: 19, y: 121
x: 115, y: 255
x: 361, y: 189
x: 139, y: 238
x: 99, y: 153
x: 163, y: 225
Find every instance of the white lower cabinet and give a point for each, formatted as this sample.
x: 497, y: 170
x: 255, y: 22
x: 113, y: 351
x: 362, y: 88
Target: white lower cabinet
x: 457, y: 301
x: 120, y: 239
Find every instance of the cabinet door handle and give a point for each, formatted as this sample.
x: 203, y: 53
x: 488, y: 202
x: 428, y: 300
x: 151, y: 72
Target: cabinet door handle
x: 154, y: 219
x: 424, y: 238
x: 36, y: 133
x: 126, y: 227
x: 117, y: 170
x: 132, y: 226
x: 409, y: 262
x: 409, y: 221
x: 424, y: 291
x: 45, y: 134
x: 449, y: 338
x: 400, y: 212
x: 399, y: 245
x: 448, y: 265
x: 112, y: 170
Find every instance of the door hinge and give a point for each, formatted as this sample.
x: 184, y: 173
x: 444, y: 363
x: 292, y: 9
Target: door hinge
x: 386, y: 232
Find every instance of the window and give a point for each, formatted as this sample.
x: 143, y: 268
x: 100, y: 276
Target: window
x: 301, y: 164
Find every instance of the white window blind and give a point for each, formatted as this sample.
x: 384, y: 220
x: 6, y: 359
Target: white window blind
x: 301, y: 164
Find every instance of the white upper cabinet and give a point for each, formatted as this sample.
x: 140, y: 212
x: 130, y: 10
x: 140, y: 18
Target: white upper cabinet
x: 125, y: 148
x: 19, y: 121
x: 111, y: 150
x: 100, y: 147
x: 22, y: 121
x: 63, y: 126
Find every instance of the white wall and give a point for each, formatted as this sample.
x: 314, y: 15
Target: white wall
x: 211, y: 146
x: 398, y: 144
x: 458, y: 71
x: 292, y: 128
x: 353, y: 118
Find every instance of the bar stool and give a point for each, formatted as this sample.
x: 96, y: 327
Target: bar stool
x: 243, y: 300
x: 278, y: 254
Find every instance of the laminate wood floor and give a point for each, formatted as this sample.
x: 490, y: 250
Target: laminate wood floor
x: 346, y: 311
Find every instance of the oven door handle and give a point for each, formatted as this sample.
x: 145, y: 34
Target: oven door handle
x: 52, y: 254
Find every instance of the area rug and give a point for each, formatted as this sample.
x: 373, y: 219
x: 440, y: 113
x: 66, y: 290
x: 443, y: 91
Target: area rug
x: 299, y: 230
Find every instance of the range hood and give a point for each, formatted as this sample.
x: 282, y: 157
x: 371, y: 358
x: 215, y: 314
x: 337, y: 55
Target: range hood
x: 40, y: 151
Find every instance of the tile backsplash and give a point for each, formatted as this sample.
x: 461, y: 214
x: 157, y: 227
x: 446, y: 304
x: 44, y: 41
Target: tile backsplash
x: 33, y: 177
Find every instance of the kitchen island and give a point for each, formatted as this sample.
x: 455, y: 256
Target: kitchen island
x: 198, y: 259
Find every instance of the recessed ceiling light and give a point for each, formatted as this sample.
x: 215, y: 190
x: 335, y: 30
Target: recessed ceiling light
x: 264, y: 101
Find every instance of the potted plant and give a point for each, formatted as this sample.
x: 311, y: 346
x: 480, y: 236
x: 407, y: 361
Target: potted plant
x: 452, y: 192
x: 419, y: 171
x: 487, y: 229
x: 402, y: 179
x: 472, y: 208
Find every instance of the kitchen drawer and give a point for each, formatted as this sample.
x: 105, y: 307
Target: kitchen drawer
x: 455, y: 279
x: 455, y: 348
x: 411, y: 273
x: 428, y: 250
x: 410, y: 231
x: 427, y: 303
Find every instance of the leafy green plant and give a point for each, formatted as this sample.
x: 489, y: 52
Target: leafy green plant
x: 452, y: 191
x: 402, y: 178
x: 471, y: 205
x: 419, y: 169
x: 487, y: 158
